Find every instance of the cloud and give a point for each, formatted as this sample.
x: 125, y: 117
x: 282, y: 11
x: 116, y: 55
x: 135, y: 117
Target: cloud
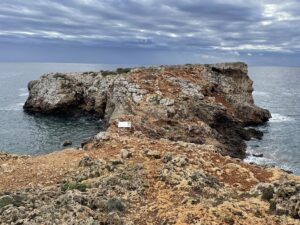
x: 197, y: 26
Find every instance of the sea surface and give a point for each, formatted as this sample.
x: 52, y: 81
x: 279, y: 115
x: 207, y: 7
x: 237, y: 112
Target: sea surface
x: 276, y: 88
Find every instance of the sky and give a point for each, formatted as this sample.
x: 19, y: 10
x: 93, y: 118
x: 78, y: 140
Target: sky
x: 259, y: 32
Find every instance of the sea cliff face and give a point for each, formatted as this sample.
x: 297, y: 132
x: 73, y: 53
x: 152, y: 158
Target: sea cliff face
x: 173, y: 166
x: 192, y: 103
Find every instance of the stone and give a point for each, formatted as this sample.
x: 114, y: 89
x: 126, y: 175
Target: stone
x: 284, y: 197
x: 167, y: 157
x: 86, y: 161
x: 6, y: 168
x: 85, y: 142
x: 258, y: 155
x: 152, y: 153
x: 180, y: 160
x: 67, y: 143
x: 101, y: 136
x: 265, y: 190
x: 167, y: 102
x: 125, y: 154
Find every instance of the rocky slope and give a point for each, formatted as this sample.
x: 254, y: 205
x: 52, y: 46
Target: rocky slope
x: 172, y: 167
x: 193, y: 103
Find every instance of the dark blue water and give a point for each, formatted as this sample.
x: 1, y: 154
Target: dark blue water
x: 278, y: 89
x: 27, y: 134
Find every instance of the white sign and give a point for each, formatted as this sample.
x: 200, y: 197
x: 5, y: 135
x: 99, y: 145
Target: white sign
x: 124, y: 124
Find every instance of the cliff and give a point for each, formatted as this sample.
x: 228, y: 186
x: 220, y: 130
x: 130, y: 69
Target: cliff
x: 192, y: 103
x: 173, y: 166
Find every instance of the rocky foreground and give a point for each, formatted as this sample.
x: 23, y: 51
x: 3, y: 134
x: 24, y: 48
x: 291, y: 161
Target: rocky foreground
x: 179, y: 163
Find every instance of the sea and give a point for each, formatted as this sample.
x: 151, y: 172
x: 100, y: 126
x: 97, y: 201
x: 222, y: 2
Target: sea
x: 275, y: 88
x: 278, y: 90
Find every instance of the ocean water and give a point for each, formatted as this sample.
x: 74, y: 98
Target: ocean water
x: 278, y: 90
x: 28, y: 134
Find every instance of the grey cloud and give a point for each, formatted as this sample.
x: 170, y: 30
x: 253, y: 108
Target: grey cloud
x: 213, y: 27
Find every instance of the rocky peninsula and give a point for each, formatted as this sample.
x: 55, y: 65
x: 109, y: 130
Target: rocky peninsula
x: 180, y: 162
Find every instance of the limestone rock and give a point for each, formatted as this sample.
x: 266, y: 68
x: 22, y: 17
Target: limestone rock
x: 190, y: 103
x: 67, y: 143
x: 125, y: 154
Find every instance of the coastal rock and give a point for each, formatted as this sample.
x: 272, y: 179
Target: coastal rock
x: 125, y: 153
x: 67, y: 143
x: 191, y: 103
x: 97, y: 186
x: 152, y: 153
x: 284, y: 197
x: 258, y: 155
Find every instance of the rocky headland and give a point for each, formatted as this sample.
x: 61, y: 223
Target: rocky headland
x: 179, y: 163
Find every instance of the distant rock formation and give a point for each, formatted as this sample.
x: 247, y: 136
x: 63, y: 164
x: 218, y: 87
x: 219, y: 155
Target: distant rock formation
x: 193, y: 103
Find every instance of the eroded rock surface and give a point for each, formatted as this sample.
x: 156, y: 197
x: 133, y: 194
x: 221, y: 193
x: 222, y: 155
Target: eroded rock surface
x: 172, y: 167
x: 192, y: 103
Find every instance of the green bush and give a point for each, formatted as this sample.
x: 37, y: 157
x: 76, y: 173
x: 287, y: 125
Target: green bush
x: 115, y: 72
x: 123, y: 70
x: 73, y: 185
x: 5, y: 200
x: 115, y: 204
x: 108, y: 72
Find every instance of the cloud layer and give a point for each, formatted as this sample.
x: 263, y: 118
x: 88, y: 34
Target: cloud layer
x: 205, y: 28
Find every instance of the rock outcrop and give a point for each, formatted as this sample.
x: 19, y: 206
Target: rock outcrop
x: 192, y: 103
x: 173, y: 166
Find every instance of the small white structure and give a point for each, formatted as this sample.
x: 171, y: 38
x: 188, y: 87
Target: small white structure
x: 124, y: 124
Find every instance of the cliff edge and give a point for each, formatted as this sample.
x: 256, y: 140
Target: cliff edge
x: 192, y: 103
x: 173, y: 166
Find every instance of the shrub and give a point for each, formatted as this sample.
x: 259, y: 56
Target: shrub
x: 118, y: 71
x: 115, y: 204
x: 108, y: 72
x: 123, y: 70
x: 73, y: 185
x: 5, y: 200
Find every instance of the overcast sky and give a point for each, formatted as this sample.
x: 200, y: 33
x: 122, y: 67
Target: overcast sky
x: 260, y: 32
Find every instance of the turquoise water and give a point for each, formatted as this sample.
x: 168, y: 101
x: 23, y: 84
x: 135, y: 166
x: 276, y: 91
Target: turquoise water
x: 276, y: 88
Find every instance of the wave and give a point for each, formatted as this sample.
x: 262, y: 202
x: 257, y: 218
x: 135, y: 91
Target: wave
x: 278, y: 118
x: 13, y: 107
x: 9, y: 75
x: 23, y: 94
x: 271, y: 160
x: 260, y: 93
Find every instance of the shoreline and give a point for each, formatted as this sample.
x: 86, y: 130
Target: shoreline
x: 179, y: 162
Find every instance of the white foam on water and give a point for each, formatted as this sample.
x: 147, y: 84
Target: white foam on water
x: 277, y: 118
x: 265, y: 161
x: 23, y: 94
x: 260, y: 93
x: 13, y: 107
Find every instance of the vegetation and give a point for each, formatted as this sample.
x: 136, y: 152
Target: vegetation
x: 5, y: 200
x: 115, y: 72
x: 115, y: 204
x: 61, y: 76
x: 73, y: 185
x: 123, y: 70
